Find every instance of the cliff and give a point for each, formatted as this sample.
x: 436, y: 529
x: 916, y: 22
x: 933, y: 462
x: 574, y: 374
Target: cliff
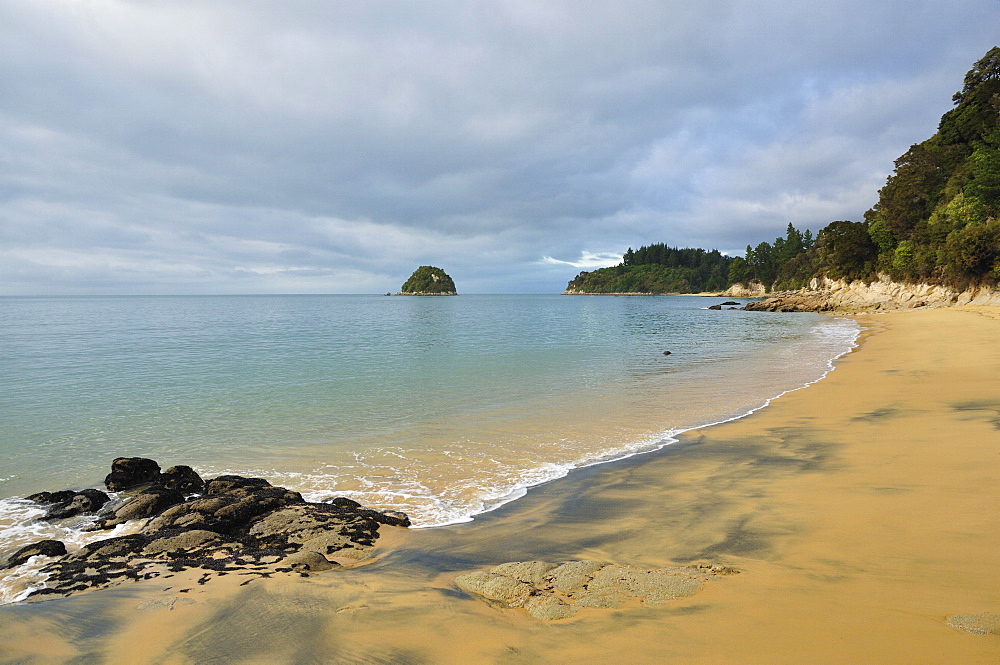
x: 883, y: 294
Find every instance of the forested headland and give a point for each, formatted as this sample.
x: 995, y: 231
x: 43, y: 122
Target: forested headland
x: 936, y: 221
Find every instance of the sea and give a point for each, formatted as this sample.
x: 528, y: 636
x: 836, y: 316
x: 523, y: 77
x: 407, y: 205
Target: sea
x: 441, y: 407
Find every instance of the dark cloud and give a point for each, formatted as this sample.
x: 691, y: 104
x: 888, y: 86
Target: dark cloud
x: 243, y: 146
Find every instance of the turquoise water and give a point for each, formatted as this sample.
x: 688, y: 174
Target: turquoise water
x: 440, y: 407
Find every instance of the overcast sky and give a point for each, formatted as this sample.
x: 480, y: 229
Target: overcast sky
x: 320, y: 146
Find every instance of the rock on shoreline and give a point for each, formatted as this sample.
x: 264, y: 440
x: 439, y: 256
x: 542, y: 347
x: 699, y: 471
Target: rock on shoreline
x: 882, y: 294
x: 226, y: 524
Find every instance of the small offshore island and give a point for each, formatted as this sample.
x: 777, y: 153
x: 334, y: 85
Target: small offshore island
x: 428, y: 281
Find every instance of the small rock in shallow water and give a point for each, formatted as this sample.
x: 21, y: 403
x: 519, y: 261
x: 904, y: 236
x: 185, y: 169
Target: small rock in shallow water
x: 41, y: 548
x: 83, y: 502
x: 128, y: 472
x: 182, y: 478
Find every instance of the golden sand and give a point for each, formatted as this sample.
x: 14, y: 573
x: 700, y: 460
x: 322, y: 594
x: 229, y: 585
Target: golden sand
x: 862, y: 512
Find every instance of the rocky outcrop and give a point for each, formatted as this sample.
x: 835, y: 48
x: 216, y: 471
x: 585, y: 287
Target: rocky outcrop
x: 151, y: 501
x: 827, y: 295
x: 127, y: 472
x: 751, y: 290
x: 236, y: 524
x: 182, y: 478
x: 549, y: 591
x: 70, y: 503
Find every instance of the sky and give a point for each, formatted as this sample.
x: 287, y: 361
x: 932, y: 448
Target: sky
x: 327, y: 146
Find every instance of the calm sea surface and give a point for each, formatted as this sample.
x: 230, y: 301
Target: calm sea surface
x: 440, y: 407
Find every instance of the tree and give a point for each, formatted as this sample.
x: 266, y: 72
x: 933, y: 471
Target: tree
x: 973, y: 253
x: 846, y: 250
x: 984, y: 171
x: 976, y: 103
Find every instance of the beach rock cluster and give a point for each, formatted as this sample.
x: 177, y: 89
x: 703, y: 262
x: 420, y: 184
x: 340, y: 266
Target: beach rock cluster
x: 226, y: 524
x: 549, y: 591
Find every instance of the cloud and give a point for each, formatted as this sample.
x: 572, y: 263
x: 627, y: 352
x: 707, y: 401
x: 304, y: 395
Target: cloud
x: 588, y: 260
x: 224, y: 145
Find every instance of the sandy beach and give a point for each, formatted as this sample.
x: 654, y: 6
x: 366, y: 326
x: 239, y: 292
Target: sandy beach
x: 861, y: 513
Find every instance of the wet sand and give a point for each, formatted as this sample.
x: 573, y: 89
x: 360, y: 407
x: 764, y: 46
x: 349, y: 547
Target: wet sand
x: 861, y: 512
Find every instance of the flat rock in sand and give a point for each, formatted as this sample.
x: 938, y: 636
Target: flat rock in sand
x: 551, y: 592
x: 977, y: 624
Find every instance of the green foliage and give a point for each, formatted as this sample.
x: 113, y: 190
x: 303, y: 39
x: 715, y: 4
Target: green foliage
x: 984, y: 172
x: 932, y: 219
x: 973, y: 252
x: 782, y: 264
x: 430, y: 280
x: 738, y: 272
x: 796, y: 273
x: 976, y: 104
x: 937, y: 219
x: 845, y: 250
x: 658, y: 269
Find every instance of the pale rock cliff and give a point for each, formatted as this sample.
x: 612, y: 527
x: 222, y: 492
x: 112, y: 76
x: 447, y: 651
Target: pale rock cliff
x: 883, y: 294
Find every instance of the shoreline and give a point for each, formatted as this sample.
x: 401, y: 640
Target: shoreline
x: 663, y: 440
x: 861, y: 514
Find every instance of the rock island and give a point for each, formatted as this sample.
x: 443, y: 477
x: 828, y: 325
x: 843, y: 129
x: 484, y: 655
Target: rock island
x: 428, y: 281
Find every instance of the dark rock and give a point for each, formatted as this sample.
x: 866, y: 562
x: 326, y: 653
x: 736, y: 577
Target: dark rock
x: 151, y: 501
x: 715, y: 307
x: 178, y: 543
x: 62, y: 496
x: 41, y: 548
x: 228, y: 513
x: 84, y: 502
x: 230, y: 484
x: 118, y: 546
x: 387, y: 517
x: 393, y: 518
x: 343, y: 502
x: 128, y: 472
x: 239, y: 524
x: 317, y: 527
x: 182, y: 478
x: 730, y: 302
x: 666, y: 353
